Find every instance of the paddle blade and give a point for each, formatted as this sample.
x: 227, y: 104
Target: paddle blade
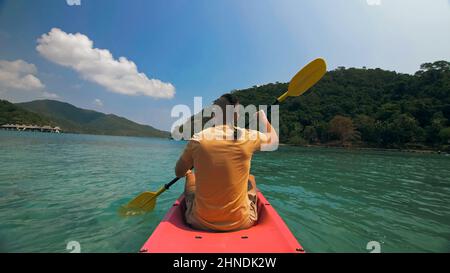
x: 305, y: 78
x: 143, y: 203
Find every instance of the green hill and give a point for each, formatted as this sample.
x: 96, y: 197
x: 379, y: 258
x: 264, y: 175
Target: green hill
x: 366, y: 107
x: 13, y: 114
x: 369, y: 107
x: 76, y: 120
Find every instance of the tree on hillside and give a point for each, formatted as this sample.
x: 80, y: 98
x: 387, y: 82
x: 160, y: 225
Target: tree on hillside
x: 402, y: 129
x: 343, y: 129
x: 367, y: 126
x: 445, y: 135
x: 295, y: 135
x: 310, y: 134
x: 436, y: 66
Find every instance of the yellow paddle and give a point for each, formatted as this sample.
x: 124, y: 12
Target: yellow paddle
x: 305, y: 79
x: 145, y: 201
x: 300, y: 83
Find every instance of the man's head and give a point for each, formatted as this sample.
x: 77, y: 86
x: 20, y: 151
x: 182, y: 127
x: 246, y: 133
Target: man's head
x: 227, y: 100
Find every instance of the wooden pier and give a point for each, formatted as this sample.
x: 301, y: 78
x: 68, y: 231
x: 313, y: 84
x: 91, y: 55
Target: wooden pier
x: 31, y: 128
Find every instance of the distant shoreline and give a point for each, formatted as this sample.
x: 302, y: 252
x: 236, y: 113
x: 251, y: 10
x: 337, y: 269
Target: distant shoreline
x: 421, y: 151
x: 82, y: 133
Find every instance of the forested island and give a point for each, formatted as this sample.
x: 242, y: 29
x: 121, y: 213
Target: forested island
x: 366, y: 107
x: 375, y: 108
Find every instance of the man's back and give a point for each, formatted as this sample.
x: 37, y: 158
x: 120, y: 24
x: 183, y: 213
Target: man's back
x: 222, y: 170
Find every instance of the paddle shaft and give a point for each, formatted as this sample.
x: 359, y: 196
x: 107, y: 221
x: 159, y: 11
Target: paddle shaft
x: 168, y: 185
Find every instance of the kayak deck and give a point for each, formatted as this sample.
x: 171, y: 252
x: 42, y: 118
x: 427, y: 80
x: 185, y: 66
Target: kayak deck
x: 269, y: 235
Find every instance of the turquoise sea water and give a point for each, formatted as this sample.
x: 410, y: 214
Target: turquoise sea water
x: 56, y: 188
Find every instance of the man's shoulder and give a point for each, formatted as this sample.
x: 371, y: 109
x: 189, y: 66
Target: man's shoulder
x: 203, y: 134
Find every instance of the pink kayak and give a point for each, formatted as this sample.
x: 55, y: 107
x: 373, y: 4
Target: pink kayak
x: 269, y: 235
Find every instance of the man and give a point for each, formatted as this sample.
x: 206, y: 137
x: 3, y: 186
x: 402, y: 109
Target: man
x: 221, y: 195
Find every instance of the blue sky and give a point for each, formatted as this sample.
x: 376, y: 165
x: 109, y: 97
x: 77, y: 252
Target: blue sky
x: 206, y: 48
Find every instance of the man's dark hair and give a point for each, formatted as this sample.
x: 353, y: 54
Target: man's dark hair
x: 231, y: 98
x: 225, y: 100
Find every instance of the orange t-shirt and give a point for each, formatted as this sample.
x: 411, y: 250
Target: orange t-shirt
x: 222, y: 168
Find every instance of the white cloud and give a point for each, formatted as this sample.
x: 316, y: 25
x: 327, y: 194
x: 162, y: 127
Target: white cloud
x: 98, y: 102
x: 19, y: 82
x: 99, y: 66
x: 19, y: 75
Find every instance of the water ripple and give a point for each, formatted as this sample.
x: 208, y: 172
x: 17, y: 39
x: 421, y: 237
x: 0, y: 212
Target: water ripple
x: 59, y: 188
